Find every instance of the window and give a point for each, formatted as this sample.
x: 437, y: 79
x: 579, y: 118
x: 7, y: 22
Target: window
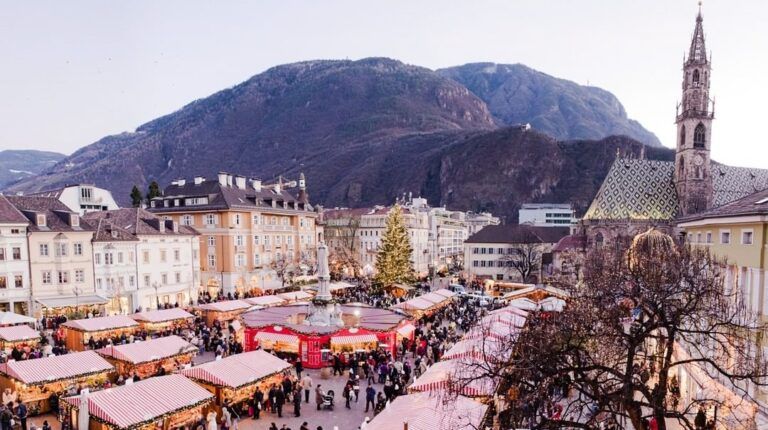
x: 237, y: 219
x: 490, y: 250
x: 176, y: 255
x: 97, y: 258
x: 187, y: 220
x: 696, y: 77
x: 108, y: 258
x: 725, y: 237
x: 278, y: 240
x: 286, y: 221
x: 3, y: 282
x: 239, y: 240
x: 709, y: 237
x: 240, y: 260
x: 163, y: 256
x: 164, y: 278
x: 699, y: 136
x: 256, y: 239
x: 210, y: 219
x: 482, y: 263
x: 131, y: 281
x: 475, y: 263
x: 211, y: 241
x: 746, y: 237
x: 86, y: 193
x: 145, y: 256
x: 18, y: 281
x: 256, y: 260
x: 2, y: 254
x: 46, y: 277
x: 690, y: 237
x: 61, y: 250
x: 698, y: 238
x: 177, y: 276
x: 77, y: 248
x: 598, y: 240
x: 16, y: 251
x: 15, y: 231
x: 119, y: 258
x: 63, y: 277
x: 130, y: 257
x: 146, y: 281
x: 266, y: 240
x: 79, y: 275
x: 256, y: 219
x: 43, y: 249
x: 211, y: 262
x: 40, y: 220
x: 98, y: 283
x: 682, y: 135
x: 74, y: 220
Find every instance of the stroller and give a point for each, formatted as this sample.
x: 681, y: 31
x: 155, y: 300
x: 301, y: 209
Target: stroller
x: 327, y: 401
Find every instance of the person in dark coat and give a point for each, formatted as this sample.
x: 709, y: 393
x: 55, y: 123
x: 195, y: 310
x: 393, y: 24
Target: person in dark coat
x: 297, y: 402
x: 279, y: 402
x: 700, y: 421
x: 258, y: 402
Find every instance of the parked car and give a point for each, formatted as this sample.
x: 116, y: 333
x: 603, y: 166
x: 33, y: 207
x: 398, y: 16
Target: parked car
x: 458, y: 289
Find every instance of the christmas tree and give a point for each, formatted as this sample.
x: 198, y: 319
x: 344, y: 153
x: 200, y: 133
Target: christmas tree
x: 393, y: 262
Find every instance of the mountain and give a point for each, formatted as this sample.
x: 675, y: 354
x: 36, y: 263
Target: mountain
x: 362, y: 131
x: 20, y: 164
x: 516, y: 94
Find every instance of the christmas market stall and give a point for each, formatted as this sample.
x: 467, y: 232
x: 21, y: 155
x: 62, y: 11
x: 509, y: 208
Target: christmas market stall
x: 146, y: 358
x: 10, y: 318
x: 18, y: 336
x: 457, y: 376
x: 163, y: 319
x: 424, y: 305
x: 37, y: 381
x: 296, y: 296
x: 429, y: 411
x: 78, y: 333
x: 266, y: 301
x: 445, y: 293
x: 223, y: 312
x: 234, y: 379
x: 399, y: 290
x: 165, y: 402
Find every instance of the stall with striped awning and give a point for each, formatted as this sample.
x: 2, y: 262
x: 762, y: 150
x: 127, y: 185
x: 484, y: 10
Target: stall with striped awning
x: 456, y: 376
x: 146, y: 358
x: 162, y: 319
x: 144, y: 403
x: 281, y: 341
x: 429, y: 411
x: 78, y: 333
x: 17, y: 335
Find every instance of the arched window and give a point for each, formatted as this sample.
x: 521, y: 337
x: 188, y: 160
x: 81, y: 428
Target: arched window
x: 681, y: 167
x: 696, y: 77
x: 682, y: 136
x: 699, y: 136
x: 599, y: 240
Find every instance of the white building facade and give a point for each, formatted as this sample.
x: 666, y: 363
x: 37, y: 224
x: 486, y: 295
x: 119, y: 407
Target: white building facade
x: 546, y: 214
x: 82, y: 198
x: 14, y: 260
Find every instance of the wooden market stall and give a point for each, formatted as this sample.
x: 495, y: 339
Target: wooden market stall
x: 296, y: 296
x: 165, y: 402
x: 265, y: 301
x: 223, y: 312
x: 146, y: 358
x: 456, y: 374
x: 399, y: 290
x: 234, y: 379
x: 78, y: 333
x: 10, y: 318
x: 163, y: 319
x: 424, y: 411
x: 353, y: 340
x: 417, y: 307
x: 37, y: 380
x: 18, y: 336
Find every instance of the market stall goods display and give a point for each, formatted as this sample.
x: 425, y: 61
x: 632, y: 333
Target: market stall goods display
x: 235, y: 378
x: 430, y: 411
x: 145, y: 403
x: 78, y: 333
x: 36, y: 380
x: 18, y: 335
x: 146, y: 358
x: 162, y: 319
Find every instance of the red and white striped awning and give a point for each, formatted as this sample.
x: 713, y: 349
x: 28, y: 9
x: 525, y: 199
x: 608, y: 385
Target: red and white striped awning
x: 496, y: 330
x: 150, y: 350
x: 295, y: 296
x: 101, y: 324
x: 354, y: 339
x: 226, y: 306
x: 144, y: 401
x: 406, y: 330
x: 417, y: 304
x: 162, y: 315
x: 445, y: 292
x: 479, y: 350
x: 17, y: 333
x: 264, y: 336
x: 238, y: 370
x: 454, y: 375
x: 504, y: 318
x: 429, y: 411
x: 265, y: 301
x: 57, y: 367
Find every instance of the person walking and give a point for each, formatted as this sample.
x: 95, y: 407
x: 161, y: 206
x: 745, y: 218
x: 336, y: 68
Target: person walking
x: 21, y: 413
x: 279, y: 402
x: 318, y: 396
x: 258, y: 402
x: 347, y: 393
x: 297, y: 402
x: 299, y: 368
x: 370, y: 397
x: 6, y: 417
x: 306, y: 384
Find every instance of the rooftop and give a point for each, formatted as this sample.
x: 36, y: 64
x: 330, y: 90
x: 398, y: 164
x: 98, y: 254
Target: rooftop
x: 516, y: 233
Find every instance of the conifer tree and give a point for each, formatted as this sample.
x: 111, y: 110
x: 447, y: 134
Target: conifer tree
x: 393, y: 262
x: 154, y: 191
x: 136, y: 197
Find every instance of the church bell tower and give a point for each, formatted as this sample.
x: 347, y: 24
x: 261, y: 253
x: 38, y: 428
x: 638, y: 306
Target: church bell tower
x: 693, y: 177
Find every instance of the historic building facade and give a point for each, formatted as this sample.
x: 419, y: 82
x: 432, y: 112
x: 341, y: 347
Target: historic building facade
x: 14, y: 259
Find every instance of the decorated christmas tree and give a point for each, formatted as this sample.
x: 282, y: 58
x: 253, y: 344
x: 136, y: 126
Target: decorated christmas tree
x: 393, y: 263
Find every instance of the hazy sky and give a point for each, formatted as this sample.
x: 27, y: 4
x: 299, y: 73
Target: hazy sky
x: 75, y: 71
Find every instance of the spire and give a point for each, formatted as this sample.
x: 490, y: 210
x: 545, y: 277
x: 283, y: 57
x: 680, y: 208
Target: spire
x: 698, y: 51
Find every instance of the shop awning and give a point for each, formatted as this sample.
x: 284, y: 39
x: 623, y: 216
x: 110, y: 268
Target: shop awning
x: 143, y: 402
x: 238, y: 370
x: 226, y: 306
x: 162, y: 315
x: 445, y: 292
x: 101, y: 324
x: 150, y: 350
x: 57, y: 367
x: 495, y: 330
x: 71, y: 301
x: 479, y: 349
x: 10, y: 318
x: 265, y: 301
x: 428, y: 411
x: 354, y: 339
x: 417, y: 304
x: 406, y: 330
x: 507, y: 318
x: 434, y: 298
x: 455, y: 375
x: 236, y: 326
x: 290, y: 339
x: 295, y: 296
x: 17, y: 333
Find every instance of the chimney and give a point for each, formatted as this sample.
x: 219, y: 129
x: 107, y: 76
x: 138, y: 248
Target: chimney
x: 278, y: 187
x: 240, y: 182
x: 229, y: 180
x: 199, y: 180
x: 181, y: 182
x: 161, y: 225
x: 222, y: 179
x: 256, y: 183
x: 175, y: 226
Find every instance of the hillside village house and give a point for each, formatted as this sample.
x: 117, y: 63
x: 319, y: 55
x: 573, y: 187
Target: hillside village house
x: 60, y: 256
x: 143, y: 261
x: 487, y: 253
x: 250, y: 231
x: 82, y: 198
x: 14, y: 259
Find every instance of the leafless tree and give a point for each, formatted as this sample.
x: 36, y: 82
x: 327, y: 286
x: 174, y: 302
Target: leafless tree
x: 344, y: 243
x: 640, y: 317
x: 524, y: 259
x: 282, y: 267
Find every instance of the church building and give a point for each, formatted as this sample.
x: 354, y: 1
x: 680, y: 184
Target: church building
x: 637, y: 193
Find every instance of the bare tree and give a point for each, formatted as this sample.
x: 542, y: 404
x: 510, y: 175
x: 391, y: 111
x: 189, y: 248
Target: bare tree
x: 524, y: 259
x: 281, y: 266
x: 642, y: 316
x: 343, y: 240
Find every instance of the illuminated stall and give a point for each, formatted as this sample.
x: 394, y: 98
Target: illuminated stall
x: 296, y: 296
x: 78, y: 333
x: 429, y: 411
x: 223, y: 312
x: 36, y: 380
x: 399, y: 290
x: 265, y: 301
x: 18, y: 336
x: 146, y: 358
x: 164, y: 402
x: 234, y: 379
x: 163, y: 319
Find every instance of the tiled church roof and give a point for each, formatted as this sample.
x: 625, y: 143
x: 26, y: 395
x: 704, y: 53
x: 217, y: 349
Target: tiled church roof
x: 644, y: 189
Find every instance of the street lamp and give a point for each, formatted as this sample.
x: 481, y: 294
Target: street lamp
x: 77, y: 291
x: 156, y: 286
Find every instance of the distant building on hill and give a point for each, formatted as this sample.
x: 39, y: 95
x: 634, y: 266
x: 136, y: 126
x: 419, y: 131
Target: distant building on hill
x: 546, y: 214
x: 82, y: 198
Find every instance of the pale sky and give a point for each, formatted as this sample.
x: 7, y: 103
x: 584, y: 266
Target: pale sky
x: 75, y: 71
